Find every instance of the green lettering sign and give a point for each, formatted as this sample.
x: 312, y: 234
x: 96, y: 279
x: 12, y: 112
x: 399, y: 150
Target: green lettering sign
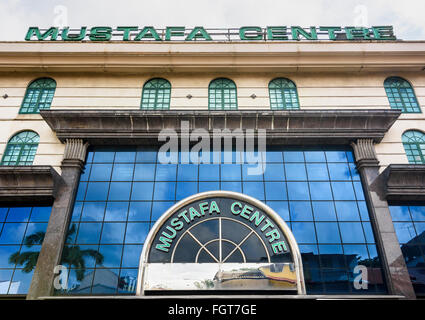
x: 198, y: 33
x: 100, y: 34
x: 174, y: 32
x: 250, y: 33
x: 35, y: 31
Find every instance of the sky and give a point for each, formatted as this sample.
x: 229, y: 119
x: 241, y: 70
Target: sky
x: 407, y: 16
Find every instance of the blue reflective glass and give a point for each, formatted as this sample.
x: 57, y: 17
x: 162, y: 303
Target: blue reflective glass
x: 352, y: 232
x: 186, y: 189
x: 293, y: 156
x: 97, y: 191
x: 295, y: 171
x: 131, y: 256
x: 367, y: 227
x: 147, y: 155
x: 317, y: 171
x: 112, y: 255
x: 22, y: 281
x: 18, y: 214
x: 139, y: 211
x: 298, y: 191
x: 275, y: 190
x: 166, y: 172
x: 343, y: 191
x: 336, y: 156
x: 364, y: 213
x: 5, y: 253
x: 81, y: 192
x: 339, y: 171
x: 90, y: 155
x: 142, y: 191
x: 320, y: 191
x: 350, y: 156
x: 209, y: 186
x: 347, y: 210
x: 209, y: 172
x: 331, y: 256
x: 40, y: 214
x: 159, y: 208
x: 405, y: 231
x: 165, y: 191
x: 136, y: 232
x: 87, y: 256
x: 327, y: 232
x: 281, y: 208
x: 119, y: 191
x: 252, y: 172
x: 314, y: 156
x: 274, y: 172
x: 34, y: 228
x: 116, y: 211
x: 3, y: 213
x: 144, y: 172
x: 231, y: 172
x: 254, y: 189
x: 400, y: 213
x: 304, y: 232
x: 418, y: 213
x: 12, y: 233
x: 122, y: 172
x: 128, y: 281
x: 355, y: 255
x: 273, y: 156
x: 125, y: 156
x: 101, y: 172
x: 187, y: 172
x: 89, y: 233
x: 93, y: 211
x: 112, y: 232
x: 235, y: 186
x: 358, y: 189
x: 324, y: 210
x: 354, y: 172
x: 104, y: 156
x: 420, y: 228
x: 300, y: 211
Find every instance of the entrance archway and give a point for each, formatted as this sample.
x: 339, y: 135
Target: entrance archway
x: 220, y: 240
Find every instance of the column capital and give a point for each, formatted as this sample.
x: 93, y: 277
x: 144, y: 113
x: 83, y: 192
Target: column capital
x: 364, y: 152
x: 75, y: 153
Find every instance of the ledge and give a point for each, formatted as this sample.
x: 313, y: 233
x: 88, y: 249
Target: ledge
x: 28, y: 183
x: 404, y: 182
x: 106, y: 127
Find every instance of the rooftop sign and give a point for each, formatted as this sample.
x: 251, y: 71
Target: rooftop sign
x: 180, y: 33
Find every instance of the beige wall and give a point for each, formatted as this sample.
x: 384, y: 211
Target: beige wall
x: 115, y: 91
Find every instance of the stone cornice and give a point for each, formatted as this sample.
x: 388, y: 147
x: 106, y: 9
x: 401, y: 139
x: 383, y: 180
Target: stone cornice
x: 404, y: 182
x: 101, y: 127
x: 288, y: 56
x: 28, y: 183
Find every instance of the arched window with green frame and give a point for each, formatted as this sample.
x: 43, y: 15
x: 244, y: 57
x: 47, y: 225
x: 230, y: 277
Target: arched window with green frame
x: 283, y: 95
x: 156, y: 95
x: 222, y: 95
x: 414, y: 145
x: 39, y: 95
x: 21, y: 149
x: 401, y: 95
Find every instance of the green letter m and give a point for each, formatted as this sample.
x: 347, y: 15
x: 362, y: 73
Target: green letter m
x: 166, y: 243
x: 52, y: 33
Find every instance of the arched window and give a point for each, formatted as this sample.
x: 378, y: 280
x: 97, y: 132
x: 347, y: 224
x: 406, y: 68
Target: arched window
x: 39, y: 95
x: 283, y: 95
x: 401, y: 95
x: 156, y: 95
x: 21, y: 149
x: 222, y: 95
x: 414, y: 145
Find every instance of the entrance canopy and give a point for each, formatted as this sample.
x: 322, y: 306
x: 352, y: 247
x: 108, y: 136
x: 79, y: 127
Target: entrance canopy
x: 220, y: 240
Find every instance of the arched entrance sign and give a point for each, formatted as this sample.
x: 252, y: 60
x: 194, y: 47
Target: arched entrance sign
x: 220, y: 240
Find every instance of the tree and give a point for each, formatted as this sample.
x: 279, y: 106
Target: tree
x: 72, y: 255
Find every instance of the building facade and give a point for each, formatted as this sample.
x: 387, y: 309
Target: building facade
x: 337, y: 207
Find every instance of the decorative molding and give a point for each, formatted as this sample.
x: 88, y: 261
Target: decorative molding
x: 28, y: 183
x: 102, y: 127
x: 404, y: 182
x: 364, y: 152
x: 75, y: 152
